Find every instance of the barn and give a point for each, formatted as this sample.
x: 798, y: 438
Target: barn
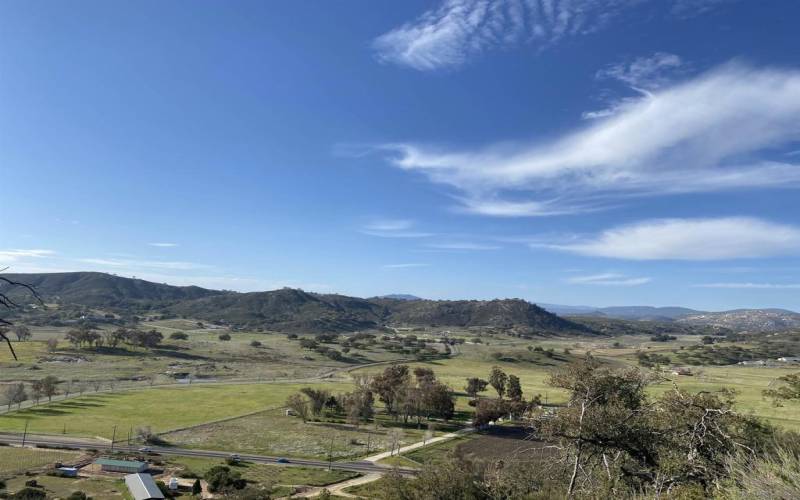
x: 126, y: 466
x: 143, y: 487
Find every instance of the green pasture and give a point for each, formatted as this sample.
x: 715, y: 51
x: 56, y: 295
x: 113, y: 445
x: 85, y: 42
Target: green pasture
x: 161, y: 408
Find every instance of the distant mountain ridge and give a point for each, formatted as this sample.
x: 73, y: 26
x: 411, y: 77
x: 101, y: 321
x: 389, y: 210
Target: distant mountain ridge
x: 292, y: 310
x: 750, y: 320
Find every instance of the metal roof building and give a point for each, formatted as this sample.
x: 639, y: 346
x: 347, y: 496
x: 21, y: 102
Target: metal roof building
x: 131, y: 467
x: 143, y: 487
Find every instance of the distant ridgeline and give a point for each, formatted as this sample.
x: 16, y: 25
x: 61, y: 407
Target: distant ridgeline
x: 290, y: 310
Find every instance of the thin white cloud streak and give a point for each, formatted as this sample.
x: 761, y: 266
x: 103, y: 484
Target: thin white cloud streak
x: 751, y: 286
x: 692, y: 8
x: 15, y: 255
x: 647, y: 72
x: 690, y: 239
x: 463, y: 245
x: 405, y: 266
x: 146, y: 264
x: 608, y: 279
x: 393, y: 228
x: 163, y: 245
x: 707, y: 134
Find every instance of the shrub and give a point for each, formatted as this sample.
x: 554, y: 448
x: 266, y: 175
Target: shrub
x: 178, y: 336
x: 28, y: 493
x: 255, y: 343
x: 225, y: 336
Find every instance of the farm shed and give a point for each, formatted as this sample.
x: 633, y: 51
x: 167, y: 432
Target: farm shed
x: 142, y: 487
x: 127, y: 466
x: 68, y: 471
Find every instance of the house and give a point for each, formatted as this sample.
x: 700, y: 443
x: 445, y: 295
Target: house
x: 789, y: 359
x: 143, y: 487
x: 126, y: 466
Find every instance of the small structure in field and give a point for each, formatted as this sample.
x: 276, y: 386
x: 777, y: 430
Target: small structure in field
x: 68, y: 471
x: 682, y: 371
x: 290, y: 413
x: 126, y: 466
x: 143, y: 487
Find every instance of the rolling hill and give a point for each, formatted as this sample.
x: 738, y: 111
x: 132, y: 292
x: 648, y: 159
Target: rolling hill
x: 291, y: 310
x: 103, y: 290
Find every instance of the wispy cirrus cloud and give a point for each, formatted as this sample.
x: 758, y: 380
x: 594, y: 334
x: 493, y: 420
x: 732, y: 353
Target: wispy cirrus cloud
x: 645, y: 72
x: 448, y: 36
x: 692, y: 8
x: 713, y: 132
x: 15, y: 255
x: 163, y: 245
x: 608, y: 279
x: 405, y: 265
x: 463, y: 245
x: 750, y: 286
x: 145, y: 264
x: 689, y: 239
x: 393, y: 228
x: 456, y: 31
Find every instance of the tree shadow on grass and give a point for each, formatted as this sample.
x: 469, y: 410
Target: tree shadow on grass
x: 179, y: 355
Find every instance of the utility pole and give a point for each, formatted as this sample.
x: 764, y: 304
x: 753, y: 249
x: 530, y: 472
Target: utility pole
x: 369, y: 440
x: 25, y: 433
x: 113, y: 437
x: 330, y: 455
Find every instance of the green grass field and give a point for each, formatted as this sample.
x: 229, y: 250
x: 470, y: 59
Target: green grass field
x: 267, y: 474
x: 161, y: 408
x: 273, y: 433
x: 13, y: 459
x: 58, y: 487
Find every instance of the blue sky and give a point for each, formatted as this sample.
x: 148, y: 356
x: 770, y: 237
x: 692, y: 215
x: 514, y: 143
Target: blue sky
x: 600, y: 152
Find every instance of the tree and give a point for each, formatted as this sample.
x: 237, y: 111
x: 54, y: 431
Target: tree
x: 475, y: 385
x: 390, y: 384
x: 50, y: 386
x: 77, y: 495
x: 225, y: 337
x: 178, y: 336
x: 15, y: 394
x: 788, y: 391
x: 255, y: 343
x: 197, y: 488
x: 298, y: 404
x: 6, y: 302
x: 113, y: 338
x: 29, y: 493
x: 498, y: 379
x: 221, y: 478
x: 317, y: 397
x: 614, y: 438
x: 514, y: 389
x: 359, y: 405
x: 489, y: 410
x: 36, y: 391
x: 22, y: 332
x: 52, y: 345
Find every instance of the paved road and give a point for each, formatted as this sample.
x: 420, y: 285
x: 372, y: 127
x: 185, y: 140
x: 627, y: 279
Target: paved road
x: 85, y: 444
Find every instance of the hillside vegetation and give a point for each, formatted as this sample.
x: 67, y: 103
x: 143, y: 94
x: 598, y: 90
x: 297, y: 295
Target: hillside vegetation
x: 289, y: 310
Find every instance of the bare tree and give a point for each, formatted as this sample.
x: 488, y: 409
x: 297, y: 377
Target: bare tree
x: 15, y: 394
x: 22, y: 332
x: 8, y: 303
x: 298, y: 404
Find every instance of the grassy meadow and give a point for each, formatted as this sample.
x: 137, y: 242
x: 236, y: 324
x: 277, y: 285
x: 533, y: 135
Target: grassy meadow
x: 161, y: 408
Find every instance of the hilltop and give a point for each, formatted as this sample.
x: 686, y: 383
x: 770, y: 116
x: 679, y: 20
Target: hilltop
x: 291, y: 310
